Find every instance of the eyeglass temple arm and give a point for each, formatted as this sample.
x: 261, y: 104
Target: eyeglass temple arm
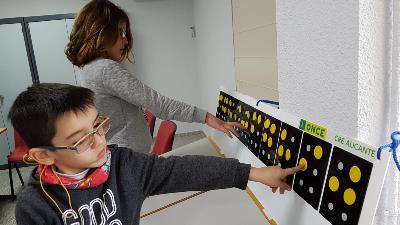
x: 53, y: 148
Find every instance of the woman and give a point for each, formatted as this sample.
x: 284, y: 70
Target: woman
x: 100, y: 40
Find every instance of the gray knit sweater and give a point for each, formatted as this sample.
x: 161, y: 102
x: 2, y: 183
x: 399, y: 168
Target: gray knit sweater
x: 121, y: 96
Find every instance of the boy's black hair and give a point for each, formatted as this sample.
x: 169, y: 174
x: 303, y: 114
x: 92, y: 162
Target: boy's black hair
x: 34, y: 112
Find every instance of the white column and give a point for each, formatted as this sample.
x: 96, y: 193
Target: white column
x: 338, y: 66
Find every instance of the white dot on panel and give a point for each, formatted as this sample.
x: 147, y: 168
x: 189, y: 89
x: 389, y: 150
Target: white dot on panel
x: 258, y: 133
x: 251, y: 141
x: 340, y: 166
x: 330, y: 206
x: 311, y: 190
x: 269, y: 156
x: 263, y: 152
x: 344, y: 216
x: 255, y: 145
x: 279, y: 164
x: 292, y: 139
x: 315, y: 172
x: 308, y: 148
x: 301, y: 182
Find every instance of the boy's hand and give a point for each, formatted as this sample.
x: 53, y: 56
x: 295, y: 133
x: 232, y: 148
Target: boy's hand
x: 273, y: 176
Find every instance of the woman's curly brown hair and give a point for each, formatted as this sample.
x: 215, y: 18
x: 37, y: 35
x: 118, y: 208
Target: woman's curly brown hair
x: 95, y: 30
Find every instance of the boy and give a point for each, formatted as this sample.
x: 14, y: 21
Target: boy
x: 81, y: 180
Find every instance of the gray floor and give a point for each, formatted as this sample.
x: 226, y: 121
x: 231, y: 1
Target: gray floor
x: 7, y: 216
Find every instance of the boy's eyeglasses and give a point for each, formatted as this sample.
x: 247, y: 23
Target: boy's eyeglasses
x: 101, y: 128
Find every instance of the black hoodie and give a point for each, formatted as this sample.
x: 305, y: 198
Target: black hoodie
x: 133, y: 177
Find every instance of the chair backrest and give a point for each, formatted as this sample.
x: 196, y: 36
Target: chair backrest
x: 165, y: 137
x: 151, y: 120
x: 19, y: 142
x: 20, y: 150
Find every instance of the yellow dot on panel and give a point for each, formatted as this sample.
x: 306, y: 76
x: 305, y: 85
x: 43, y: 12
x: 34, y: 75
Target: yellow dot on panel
x: 267, y: 123
x: 252, y: 128
x: 248, y: 114
x: 349, y: 196
x: 355, y: 174
x: 270, y: 142
x: 247, y: 125
x: 303, y: 162
x: 254, y: 116
x: 265, y: 136
x: 280, y: 150
x: 242, y: 122
x: 259, y: 119
x: 235, y: 116
x: 240, y: 108
x: 221, y: 97
x: 273, y: 128
x: 230, y: 102
x: 318, y: 152
x: 287, y: 154
x: 333, y: 183
x: 283, y: 134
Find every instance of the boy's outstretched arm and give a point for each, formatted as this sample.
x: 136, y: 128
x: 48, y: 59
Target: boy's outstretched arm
x: 273, y: 176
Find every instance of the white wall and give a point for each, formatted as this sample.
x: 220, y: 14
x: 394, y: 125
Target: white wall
x: 214, y: 50
x: 318, y: 61
x: 333, y: 64
x: 373, y: 75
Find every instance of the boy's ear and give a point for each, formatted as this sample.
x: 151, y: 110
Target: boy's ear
x: 41, y: 156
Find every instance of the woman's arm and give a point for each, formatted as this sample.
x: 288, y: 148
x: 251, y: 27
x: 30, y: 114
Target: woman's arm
x: 119, y: 82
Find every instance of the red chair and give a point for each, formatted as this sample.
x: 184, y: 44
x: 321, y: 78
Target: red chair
x: 16, y: 157
x: 151, y: 120
x: 165, y: 137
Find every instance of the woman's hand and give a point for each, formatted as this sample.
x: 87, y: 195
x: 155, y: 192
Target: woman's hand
x: 273, y: 176
x: 227, y: 127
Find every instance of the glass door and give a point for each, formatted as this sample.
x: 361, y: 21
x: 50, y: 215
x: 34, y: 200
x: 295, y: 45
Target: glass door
x: 15, y: 76
x: 49, y: 39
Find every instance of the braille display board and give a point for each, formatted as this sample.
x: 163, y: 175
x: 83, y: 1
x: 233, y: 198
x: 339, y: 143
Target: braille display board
x: 341, y: 180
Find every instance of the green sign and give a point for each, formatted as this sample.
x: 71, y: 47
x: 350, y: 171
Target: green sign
x: 313, y: 129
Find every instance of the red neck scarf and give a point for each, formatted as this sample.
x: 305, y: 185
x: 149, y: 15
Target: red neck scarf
x: 96, y: 178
